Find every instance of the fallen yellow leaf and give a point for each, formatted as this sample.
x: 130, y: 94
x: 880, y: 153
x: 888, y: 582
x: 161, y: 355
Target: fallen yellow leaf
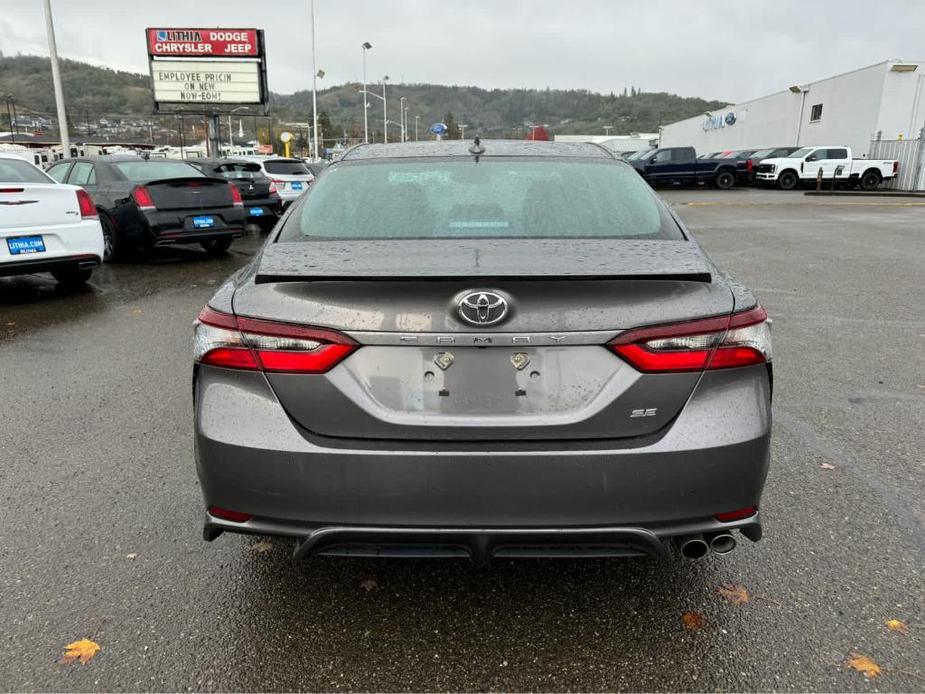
x: 262, y: 547
x: 734, y: 593
x: 897, y: 625
x: 693, y: 620
x: 864, y: 665
x: 82, y: 650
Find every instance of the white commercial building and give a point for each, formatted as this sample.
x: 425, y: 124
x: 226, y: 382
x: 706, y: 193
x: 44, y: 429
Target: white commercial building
x: 885, y: 101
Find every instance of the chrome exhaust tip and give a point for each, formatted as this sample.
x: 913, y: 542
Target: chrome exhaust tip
x: 722, y: 543
x: 693, y: 547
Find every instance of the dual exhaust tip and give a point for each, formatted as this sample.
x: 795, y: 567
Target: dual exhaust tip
x: 697, y: 546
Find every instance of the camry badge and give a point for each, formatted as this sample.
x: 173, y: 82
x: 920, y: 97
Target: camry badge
x: 482, y: 308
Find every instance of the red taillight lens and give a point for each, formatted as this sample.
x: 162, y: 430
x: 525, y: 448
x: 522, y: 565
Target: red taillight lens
x: 895, y: 167
x: 259, y: 345
x: 236, y: 198
x: 741, y: 339
x: 273, y: 189
x: 87, y: 208
x: 229, y: 515
x: 142, y: 198
x: 748, y: 165
x: 741, y: 513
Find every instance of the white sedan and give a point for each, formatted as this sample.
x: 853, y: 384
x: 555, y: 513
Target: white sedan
x: 46, y: 226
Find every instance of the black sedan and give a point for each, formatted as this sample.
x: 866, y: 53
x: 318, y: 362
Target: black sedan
x: 262, y: 202
x: 146, y: 203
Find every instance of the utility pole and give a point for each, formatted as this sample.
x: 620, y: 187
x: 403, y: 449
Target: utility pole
x: 416, y: 119
x: 9, y: 114
x: 315, y: 89
x: 56, y: 78
x: 401, y: 116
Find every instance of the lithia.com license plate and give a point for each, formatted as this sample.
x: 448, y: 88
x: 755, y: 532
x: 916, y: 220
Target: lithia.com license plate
x: 20, y: 245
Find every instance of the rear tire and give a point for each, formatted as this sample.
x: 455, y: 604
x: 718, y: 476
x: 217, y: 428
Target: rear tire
x: 72, y: 276
x: 216, y: 247
x: 788, y: 180
x: 870, y: 180
x: 111, y: 249
x: 725, y: 180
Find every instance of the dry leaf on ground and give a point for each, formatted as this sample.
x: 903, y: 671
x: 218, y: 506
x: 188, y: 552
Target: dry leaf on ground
x: 693, y: 620
x: 897, y: 625
x: 262, y: 547
x: 369, y: 584
x: 734, y: 593
x: 864, y: 665
x: 83, y: 650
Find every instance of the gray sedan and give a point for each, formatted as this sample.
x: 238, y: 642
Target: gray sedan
x: 486, y: 350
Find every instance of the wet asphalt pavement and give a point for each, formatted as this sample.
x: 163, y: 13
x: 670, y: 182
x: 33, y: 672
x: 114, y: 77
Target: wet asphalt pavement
x: 100, y: 512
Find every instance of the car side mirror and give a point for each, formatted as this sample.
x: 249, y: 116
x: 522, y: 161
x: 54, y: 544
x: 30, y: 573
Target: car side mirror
x: 812, y: 157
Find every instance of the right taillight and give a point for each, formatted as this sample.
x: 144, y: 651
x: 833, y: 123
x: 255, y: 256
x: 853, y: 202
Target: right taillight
x: 895, y: 167
x: 251, y: 344
x: 725, y: 342
x: 85, y: 202
x: 142, y: 198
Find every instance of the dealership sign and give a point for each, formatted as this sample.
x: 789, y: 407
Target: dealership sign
x: 714, y: 122
x: 206, y: 81
x: 215, y: 43
x: 207, y: 67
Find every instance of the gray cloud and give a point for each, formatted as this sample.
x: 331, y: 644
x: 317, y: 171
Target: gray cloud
x: 731, y: 50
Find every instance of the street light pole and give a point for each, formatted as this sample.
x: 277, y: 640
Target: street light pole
x: 56, y: 78
x: 416, y: 119
x: 385, y: 113
x: 407, y: 108
x: 366, y: 46
x: 315, y: 89
x: 401, y: 116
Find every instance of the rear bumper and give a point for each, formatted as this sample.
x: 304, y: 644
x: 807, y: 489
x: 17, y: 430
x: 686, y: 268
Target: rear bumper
x: 166, y: 227
x: 27, y: 267
x: 351, y: 494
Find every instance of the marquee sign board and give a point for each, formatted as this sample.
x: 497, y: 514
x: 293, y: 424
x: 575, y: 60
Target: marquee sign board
x: 207, y: 67
x: 207, y: 81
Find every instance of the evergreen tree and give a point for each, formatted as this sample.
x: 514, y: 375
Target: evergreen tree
x: 452, y: 127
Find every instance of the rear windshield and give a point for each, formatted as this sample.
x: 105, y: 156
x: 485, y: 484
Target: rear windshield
x: 17, y: 171
x: 239, y: 170
x: 144, y: 171
x: 286, y: 168
x: 496, y: 198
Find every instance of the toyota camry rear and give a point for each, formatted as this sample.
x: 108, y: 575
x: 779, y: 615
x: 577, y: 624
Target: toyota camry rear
x: 483, y: 350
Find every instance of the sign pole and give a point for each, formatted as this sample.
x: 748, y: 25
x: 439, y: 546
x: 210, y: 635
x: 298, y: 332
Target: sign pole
x: 56, y: 78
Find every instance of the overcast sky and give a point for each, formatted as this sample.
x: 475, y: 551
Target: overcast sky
x: 717, y: 49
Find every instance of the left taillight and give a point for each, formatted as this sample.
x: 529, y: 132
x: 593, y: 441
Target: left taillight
x: 236, y: 198
x: 85, y: 202
x: 725, y: 342
x: 251, y: 344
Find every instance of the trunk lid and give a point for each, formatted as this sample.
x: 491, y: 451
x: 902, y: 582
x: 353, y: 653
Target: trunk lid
x: 29, y: 205
x: 194, y: 193
x: 424, y: 373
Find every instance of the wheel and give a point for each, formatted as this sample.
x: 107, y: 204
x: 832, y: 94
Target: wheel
x: 72, y: 276
x: 216, y: 246
x: 725, y: 180
x: 788, y: 180
x: 870, y: 180
x: 111, y: 249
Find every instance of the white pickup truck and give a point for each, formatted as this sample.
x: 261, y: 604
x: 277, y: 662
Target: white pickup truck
x: 836, y: 164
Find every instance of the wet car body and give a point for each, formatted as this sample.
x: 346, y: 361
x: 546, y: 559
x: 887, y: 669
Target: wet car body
x: 262, y: 203
x: 475, y: 380
x: 147, y: 203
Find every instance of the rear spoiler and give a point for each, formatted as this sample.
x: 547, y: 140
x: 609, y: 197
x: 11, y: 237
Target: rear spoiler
x: 186, y: 179
x: 483, y: 260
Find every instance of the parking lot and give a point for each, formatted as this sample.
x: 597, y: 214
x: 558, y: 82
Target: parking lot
x: 101, y: 513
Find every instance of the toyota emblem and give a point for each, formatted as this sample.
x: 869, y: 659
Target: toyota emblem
x: 482, y: 308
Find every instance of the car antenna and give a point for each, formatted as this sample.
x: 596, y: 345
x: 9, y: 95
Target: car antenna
x: 477, y: 148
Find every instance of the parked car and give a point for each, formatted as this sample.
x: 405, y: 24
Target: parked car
x: 291, y: 176
x: 751, y: 164
x: 680, y: 166
x: 145, y: 203
x: 741, y: 158
x: 527, y: 357
x: 262, y: 203
x: 836, y: 163
x: 46, y: 226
